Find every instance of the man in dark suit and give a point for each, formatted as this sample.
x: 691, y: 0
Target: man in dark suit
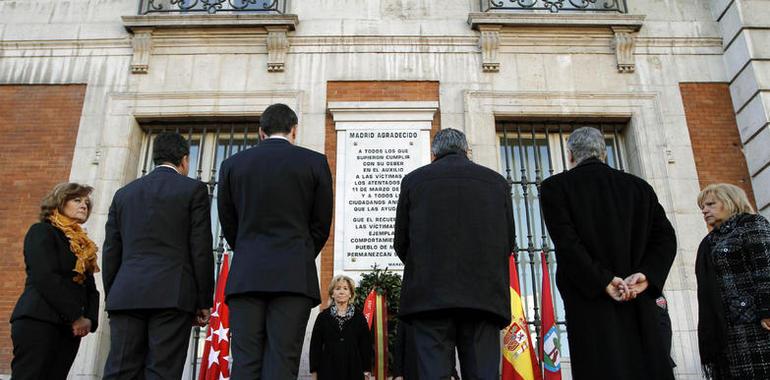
x: 158, y: 266
x: 614, y: 248
x: 275, y: 206
x: 454, y: 233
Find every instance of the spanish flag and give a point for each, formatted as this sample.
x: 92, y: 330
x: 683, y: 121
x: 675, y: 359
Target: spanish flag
x: 519, y: 360
x: 376, y: 313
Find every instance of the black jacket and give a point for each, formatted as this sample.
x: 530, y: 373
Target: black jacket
x: 49, y: 294
x: 158, y: 250
x: 606, y: 223
x: 275, y: 206
x: 454, y: 233
x: 340, y: 354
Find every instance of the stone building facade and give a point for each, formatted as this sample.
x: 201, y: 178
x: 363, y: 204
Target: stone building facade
x: 681, y: 89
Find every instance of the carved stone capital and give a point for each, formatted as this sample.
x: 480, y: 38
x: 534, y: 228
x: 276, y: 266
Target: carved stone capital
x: 141, y: 43
x: 624, y: 44
x: 489, y: 42
x: 277, y: 47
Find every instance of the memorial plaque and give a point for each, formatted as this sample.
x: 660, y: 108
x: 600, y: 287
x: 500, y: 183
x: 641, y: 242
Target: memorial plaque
x: 375, y: 163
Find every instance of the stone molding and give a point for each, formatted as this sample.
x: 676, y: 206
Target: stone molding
x: 277, y: 27
x: 376, y: 111
x: 165, y: 105
x: 217, y: 42
x: 277, y: 47
x: 490, y: 24
x: 489, y: 42
x: 624, y: 44
x: 141, y: 45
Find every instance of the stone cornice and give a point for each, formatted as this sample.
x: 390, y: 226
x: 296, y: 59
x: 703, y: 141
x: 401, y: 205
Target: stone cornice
x: 475, y: 20
x: 289, y: 21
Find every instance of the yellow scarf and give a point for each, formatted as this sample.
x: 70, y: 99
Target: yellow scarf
x: 83, y: 247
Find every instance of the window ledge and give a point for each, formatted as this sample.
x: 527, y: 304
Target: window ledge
x: 477, y: 19
x: 131, y: 23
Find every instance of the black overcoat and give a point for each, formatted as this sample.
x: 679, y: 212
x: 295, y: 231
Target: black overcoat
x: 275, y: 206
x: 454, y: 233
x: 340, y: 354
x: 158, y: 249
x: 607, y: 223
x: 49, y: 293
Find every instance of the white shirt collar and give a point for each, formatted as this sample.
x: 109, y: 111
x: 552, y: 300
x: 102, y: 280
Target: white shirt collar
x: 279, y: 137
x: 169, y: 166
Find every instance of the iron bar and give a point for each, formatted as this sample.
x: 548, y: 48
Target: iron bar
x: 199, y: 173
x: 147, y: 151
x: 554, y: 6
x: 616, y: 141
x: 212, y: 6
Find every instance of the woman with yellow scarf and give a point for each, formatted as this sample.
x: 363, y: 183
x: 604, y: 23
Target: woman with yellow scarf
x: 60, y: 303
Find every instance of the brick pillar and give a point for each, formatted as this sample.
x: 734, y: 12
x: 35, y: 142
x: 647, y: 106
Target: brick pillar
x: 716, y: 143
x: 38, y: 129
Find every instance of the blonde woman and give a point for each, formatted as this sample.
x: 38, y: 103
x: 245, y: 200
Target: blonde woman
x: 60, y: 303
x: 340, y: 346
x: 733, y: 272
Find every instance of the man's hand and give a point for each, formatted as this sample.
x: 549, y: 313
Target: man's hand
x: 765, y: 323
x: 202, y: 317
x: 314, y: 375
x: 636, y: 283
x: 617, y: 289
x: 81, y: 327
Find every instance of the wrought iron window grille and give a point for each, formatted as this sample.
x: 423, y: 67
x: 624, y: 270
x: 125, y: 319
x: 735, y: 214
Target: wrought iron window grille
x: 530, y: 152
x: 555, y: 6
x: 211, y: 6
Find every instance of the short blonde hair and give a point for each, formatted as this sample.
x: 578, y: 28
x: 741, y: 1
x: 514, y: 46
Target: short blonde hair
x: 351, y: 284
x: 732, y: 197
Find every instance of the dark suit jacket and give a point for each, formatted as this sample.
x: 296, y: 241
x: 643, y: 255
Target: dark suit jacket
x: 275, y: 206
x: 49, y: 294
x: 607, y: 223
x: 158, y: 246
x: 454, y: 233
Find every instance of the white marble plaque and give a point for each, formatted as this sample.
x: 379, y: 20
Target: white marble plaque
x: 376, y: 161
x: 378, y: 143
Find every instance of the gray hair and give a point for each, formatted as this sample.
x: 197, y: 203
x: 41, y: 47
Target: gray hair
x: 585, y: 143
x: 449, y: 141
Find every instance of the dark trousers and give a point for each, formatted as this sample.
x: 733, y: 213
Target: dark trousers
x: 42, y: 350
x: 436, y: 335
x: 267, y: 335
x: 148, y: 344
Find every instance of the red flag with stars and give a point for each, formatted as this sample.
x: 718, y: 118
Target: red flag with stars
x: 216, y: 361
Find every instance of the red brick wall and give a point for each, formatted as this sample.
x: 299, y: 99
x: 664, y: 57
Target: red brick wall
x: 716, y: 143
x: 360, y: 91
x: 38, y: 128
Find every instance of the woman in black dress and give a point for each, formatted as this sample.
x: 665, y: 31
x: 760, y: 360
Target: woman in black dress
x: 60, y: 303
x: 341, y: 346
x: 733, y: 272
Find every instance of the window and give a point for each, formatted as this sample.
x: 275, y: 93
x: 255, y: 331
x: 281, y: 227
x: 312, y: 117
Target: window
x: 210, y: 144
x: 529, y: 153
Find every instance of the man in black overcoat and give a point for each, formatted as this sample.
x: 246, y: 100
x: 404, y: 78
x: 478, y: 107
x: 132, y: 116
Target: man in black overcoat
x: 614, y: 248
x: 275, y: 206
x: 158, y: 266
x: 454, y: 232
